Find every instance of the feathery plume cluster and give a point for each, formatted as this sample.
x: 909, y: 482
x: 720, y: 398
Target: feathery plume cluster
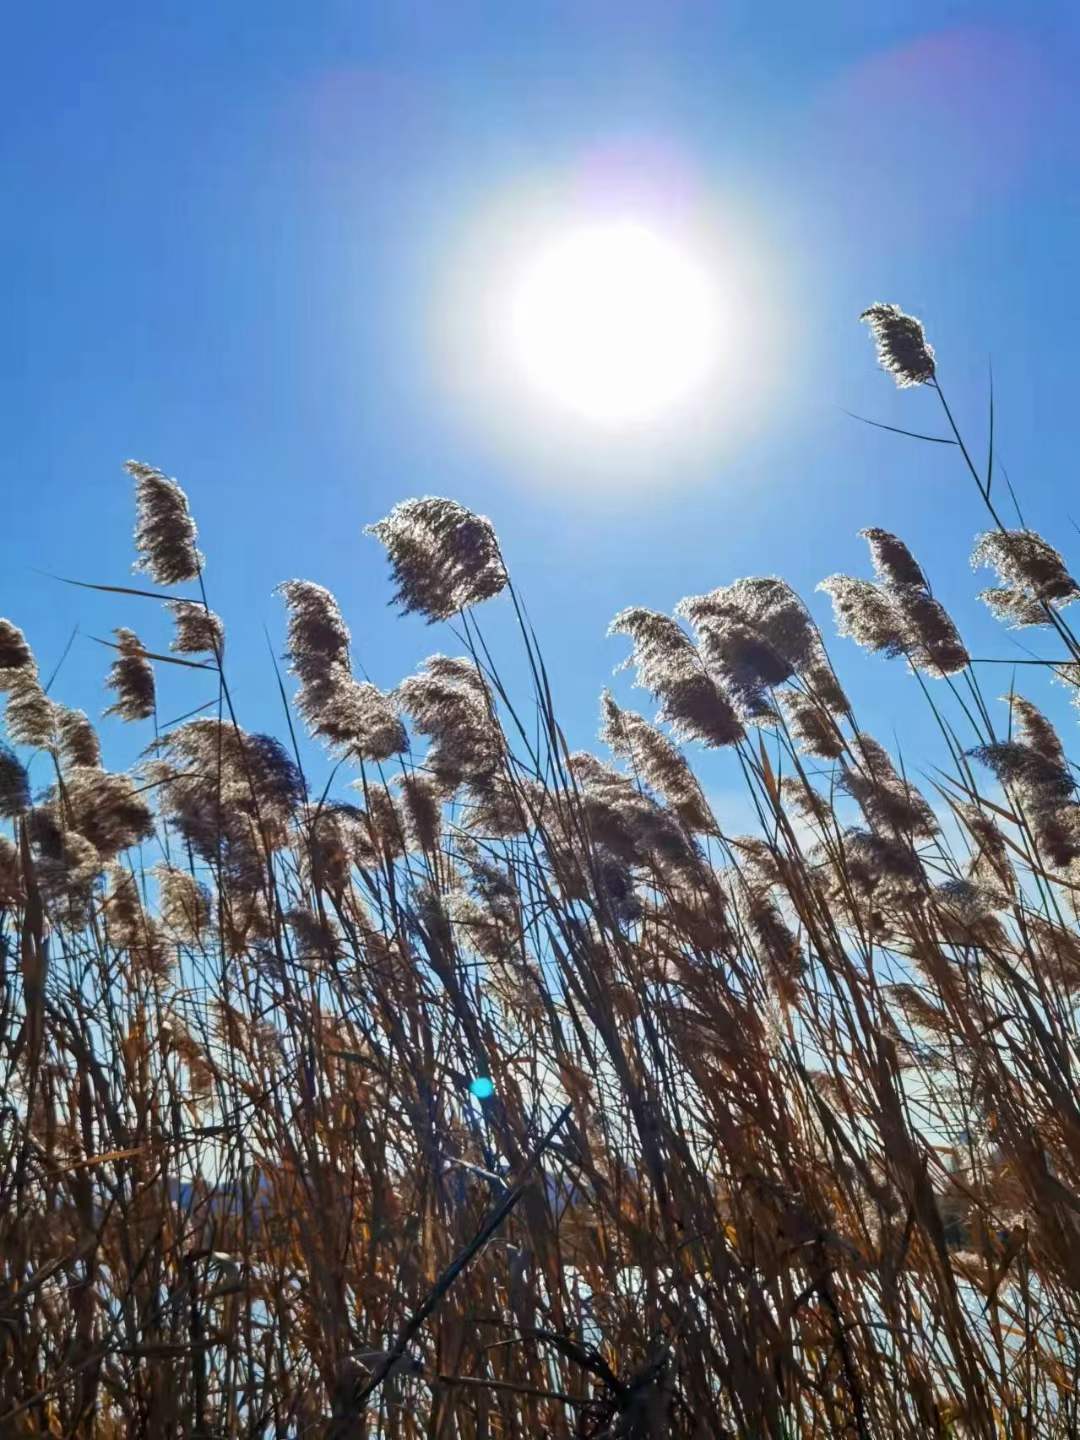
x: 500, y: 805
x: 165, y: 533
x: 131, y: 678
x: 1057, y: 948
x: 185, y: 905
x: 30, y: 714
x: 66, y: 864
x: 990, y: 865
x: 178, y: 1044
x: 317, y: 634
x: 902, y: 347
x: 755, y: 634
x: 76, y: 738
x: 813, y: 727
x: 14, y: 784
x: 15, y: 653
x: 231, y: 795
x: 864, y: 613
x: 628, y: 824
x: 316, y: 938
x: 422, y: 804
x: 449, y: 703
x: 772, y: 938
x: 656, y: 762
x: 339, y: 836
x: 897, y: 615
x: 354, y: 718
x: 1035, y: 769
x: 198, y: 631
x: 105, y: 808
x: 443, y: 558
x: 1032, y: 574
x: 668, y: 665
x: 889, y: 802
x: 894, y: 565
x: 880, y: 863
x: 131, y: 928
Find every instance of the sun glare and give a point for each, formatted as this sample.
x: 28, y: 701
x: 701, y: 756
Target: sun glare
x: 614, y: 322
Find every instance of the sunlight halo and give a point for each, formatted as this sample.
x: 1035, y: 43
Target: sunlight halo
x: 614, y: 322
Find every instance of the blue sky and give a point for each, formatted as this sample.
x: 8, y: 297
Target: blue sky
x: 231, y: 234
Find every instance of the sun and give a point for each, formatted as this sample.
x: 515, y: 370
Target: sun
x: 615, y: 322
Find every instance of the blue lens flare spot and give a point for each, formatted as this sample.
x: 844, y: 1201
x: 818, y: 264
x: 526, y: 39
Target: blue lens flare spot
x: 482, y: 1088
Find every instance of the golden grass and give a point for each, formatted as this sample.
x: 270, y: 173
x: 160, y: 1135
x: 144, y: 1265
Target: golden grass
x: 785, y: 1134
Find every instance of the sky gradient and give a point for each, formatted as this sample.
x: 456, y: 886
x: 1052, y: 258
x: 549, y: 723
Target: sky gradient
x: 245, y: 244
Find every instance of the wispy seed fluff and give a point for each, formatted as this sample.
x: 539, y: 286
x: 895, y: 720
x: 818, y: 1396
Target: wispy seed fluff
x: 165, y: 533
x: 131, y: 679
x: 755, y: 633
x: 76, y: 738
x: 443, y: 558
x: 30, y: 714
x: 1036, y: 769
x: 10, y: 875
x: 230, y: 794
x: 448, y: 702
x: 668, y: 665
x: 198, y: 631
x: 353, y: 717
x: 185, y: 905
x: 627, y: 823
x: 887, y: 800
x: 66, y: 865
x: 1045, y: 790
x: 1032, y: 575
x: 15, y: 653
x: 656, y: 762
x: 106, y: 809
x: 901, y: 343
x: 14, y: 784
x: 813, y: 727
x: 129, y: 927
x: 422, y: 806
x: 897, y: 614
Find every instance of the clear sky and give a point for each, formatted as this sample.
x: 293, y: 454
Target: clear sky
x: 247, y: 244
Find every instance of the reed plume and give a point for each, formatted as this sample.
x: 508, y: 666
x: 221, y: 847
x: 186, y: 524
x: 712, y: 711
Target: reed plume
x: 165, y: 533
x: 443, y: 558
x: 198, y: 631
x: 354, y: 718
x: 14, y: 784
x: 656, y: 762
x: 30, y: 715
x: 1035, y: 769
x: 185, y: 905
x: 15, y: 653
x: 901, y: 344
x: 77, y: 739
x: 448, y: 703
x: 1032, y: 574
x: 897, y: 615
x: 668, y: 664
x: 131, y: 678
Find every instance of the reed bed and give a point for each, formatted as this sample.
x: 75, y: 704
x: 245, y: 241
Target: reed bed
x: 498, y: 1090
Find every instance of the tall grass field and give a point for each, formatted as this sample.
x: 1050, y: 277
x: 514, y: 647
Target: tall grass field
x: 494, y: 1090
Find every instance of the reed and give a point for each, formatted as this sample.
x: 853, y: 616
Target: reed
x: 501, y: 1090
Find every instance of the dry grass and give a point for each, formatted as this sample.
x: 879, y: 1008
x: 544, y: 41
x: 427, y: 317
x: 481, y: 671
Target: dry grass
x: 785, y: 1134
